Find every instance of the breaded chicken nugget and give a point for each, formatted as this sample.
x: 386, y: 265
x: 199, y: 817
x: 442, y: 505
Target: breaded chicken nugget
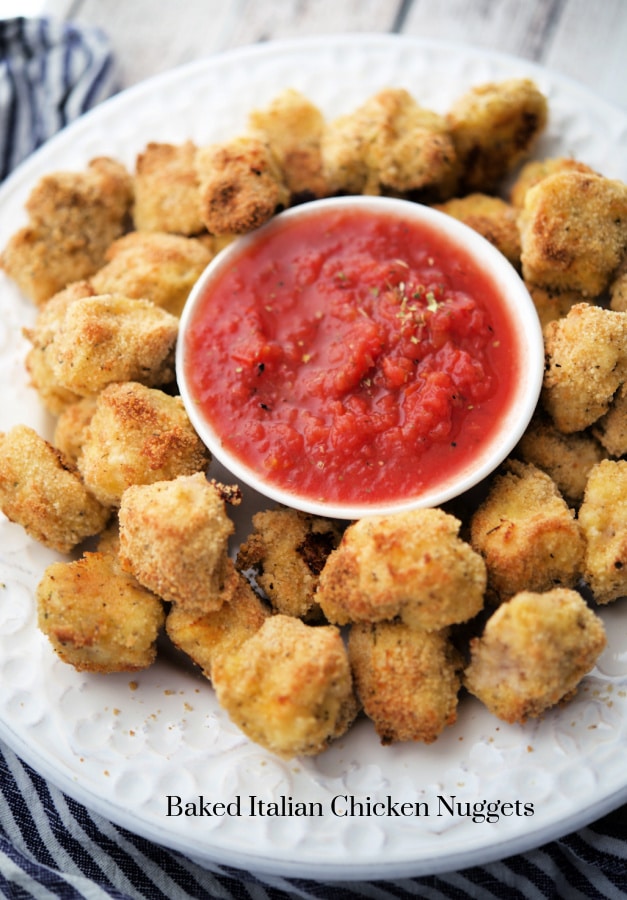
x: 73, y: 217
x: 492, y: 217
x: 407, y: 679
x: 49, y: 320
x: 292, y: 127
x: 288, y: 550
x: 494, y: 127
x: 412, y: 565
x: 174, y: 539
x: 166, y: 189
x: 153, y: 266
x: 611, y: 429
x: 526, y: 533
x: 536, y: 169
x: 551, y: 304
x: 573, y: 232
x: 289, y: 687
x: 69, y: 430
x: 137, y: 435
x: 618, y: 288
x: 97, y: 618
x: 39, y: 492
x: 110, y: 338
x: 204, y: 637
x: 241, y: 185
x: 533, y: 653
x: 390, y: 145
x: 603, y: 521
x: 567, y: 459
x: 586, y: 362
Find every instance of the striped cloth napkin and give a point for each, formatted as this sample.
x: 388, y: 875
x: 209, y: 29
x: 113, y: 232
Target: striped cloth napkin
x: 53, y: 847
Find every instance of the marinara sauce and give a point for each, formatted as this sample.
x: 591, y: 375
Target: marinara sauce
x: 352, y: 357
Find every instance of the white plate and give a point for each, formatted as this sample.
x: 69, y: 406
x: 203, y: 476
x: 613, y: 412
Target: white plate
x: 121, y: 748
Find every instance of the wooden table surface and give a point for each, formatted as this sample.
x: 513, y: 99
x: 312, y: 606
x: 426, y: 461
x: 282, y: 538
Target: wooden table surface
x: 583, y: 39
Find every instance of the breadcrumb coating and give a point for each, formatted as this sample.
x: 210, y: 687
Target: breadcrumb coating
x: 551, y: 304
x: 288, y: 549
x: 573, y: 232
x: 166, y: 189
x: 137, y: 435
x: 289, y: 687
x: 611, y: 429
x: 174, y: 539
x: 69, y: 429
x: 586, y: 362
x: 97, y: 618
x: 39, y: 491
x: 535, y: 170
x: 603, y: 521
x: 72, y: 218
x: 533, y: 653
x: 407, y: 680
x: 412, y: 565
x: 526, y: 533
x: 492, y: 217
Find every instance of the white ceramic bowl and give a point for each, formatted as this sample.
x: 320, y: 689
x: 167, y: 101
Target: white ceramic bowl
x: 514, y: 420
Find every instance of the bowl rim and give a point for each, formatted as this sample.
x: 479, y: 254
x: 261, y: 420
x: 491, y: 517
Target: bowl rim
x: 515, y: 418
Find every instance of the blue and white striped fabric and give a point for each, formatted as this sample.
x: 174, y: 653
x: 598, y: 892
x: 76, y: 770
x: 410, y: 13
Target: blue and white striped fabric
x: 50, y: 73
x: 50, y: 845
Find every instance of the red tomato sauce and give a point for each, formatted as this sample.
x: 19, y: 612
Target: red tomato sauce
x: 352, y: 357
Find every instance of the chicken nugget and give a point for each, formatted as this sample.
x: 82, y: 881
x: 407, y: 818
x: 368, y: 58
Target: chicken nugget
x: 241, y: 185
x: 73, y: 218
x: 618, y: 288
x: 69, y: 430
x: 536, y: 169
x: 39, y: 358
x: 97, y: 618
x: 407, y: 679
x: 494, y: 127
x: 112, y: 338
x: 174, y: 539
x: 533, y: 653
x: 586, y: 362
x: 566, y: 458
x: 292, y: 127
x: 551, y: 304
x: 289, y: 687
x: 492, y: 217
x: 412, y: 565
x: 526, y: 533
x: 611, y: 429
x: 287, y: 550
x: 137, y: 435
x: 155, y: 266
x: 39, y: 492
x: 603, y: 521
x: 390, y: 145
x: 166, y: 189
x: 205, y: 636
x: 573, y: 232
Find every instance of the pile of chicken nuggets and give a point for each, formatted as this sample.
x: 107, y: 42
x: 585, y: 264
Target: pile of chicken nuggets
x: 312, y: 622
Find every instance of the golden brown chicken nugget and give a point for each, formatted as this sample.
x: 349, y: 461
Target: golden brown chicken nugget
x: 526, y: 533
x: 551, y: 304
x: 390, y: 145
x: 174, y: 539
x: 137, y: 435
x: 155, y: 266
x: 289, y: 687
x: 618, y: 288
x: 112, y: 338
x: 492, y: 217
x: 573, y: 232
x: 73, y: 218
x: 611, y: 429
x: 586, y: 362
x: 39, y: 492
x: 166, y: 189
x: 69, y: 430
x: 241, y: 185
x: 97, y: 618
x: 603, y: 521
x: 412, y: 565
x: 533, y: 653
x: 407, y: 679
x: 287, y: 550
x: 536, y: 169
x: 292, y: 127
x: 494, y: 127
x: 205, y: 636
